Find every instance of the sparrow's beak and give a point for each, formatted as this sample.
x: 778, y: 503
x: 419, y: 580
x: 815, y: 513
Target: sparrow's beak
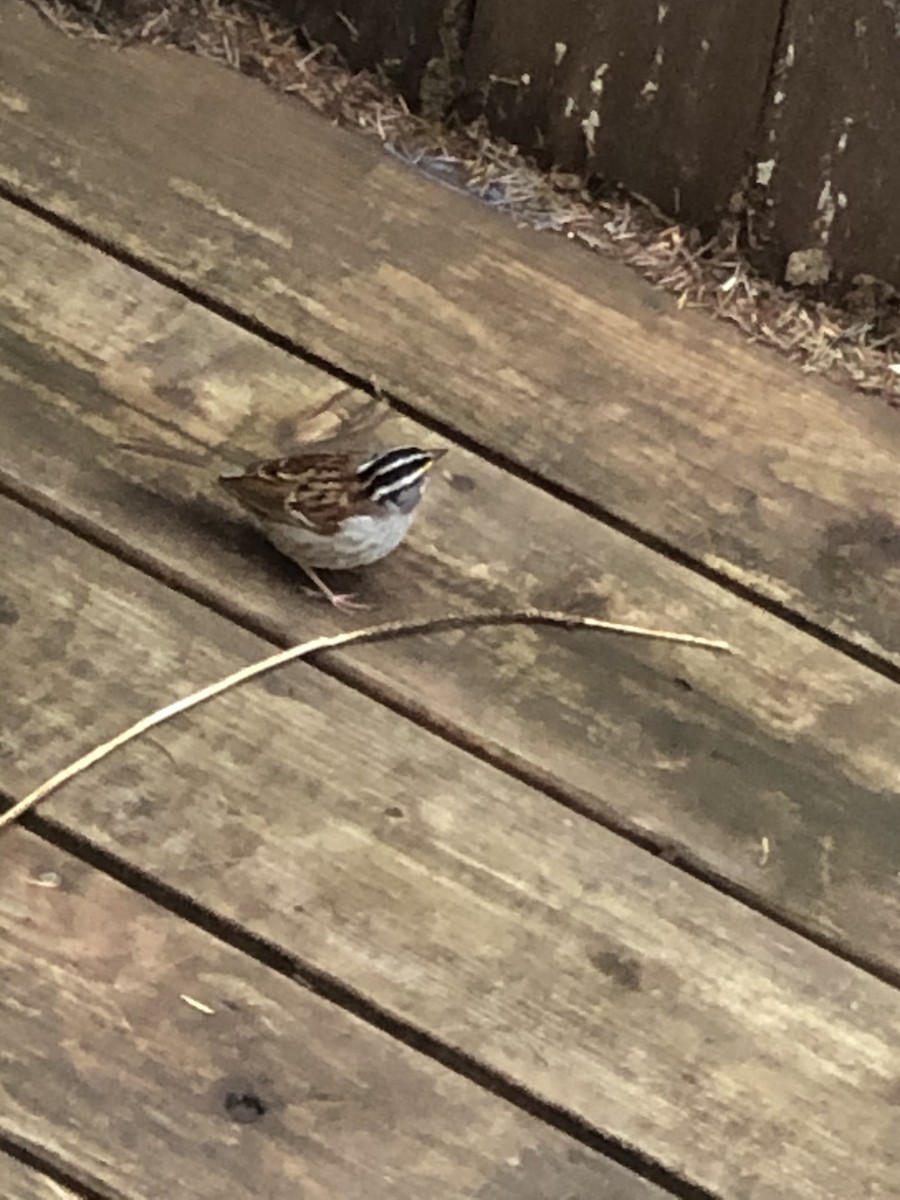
x: 433, y: 457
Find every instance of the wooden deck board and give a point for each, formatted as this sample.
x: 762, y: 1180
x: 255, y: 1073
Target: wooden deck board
x: 593, y: 974
x: 587, y: 972
x: 789, y: 742
x: 109, y: 1071
x: 18, y: 1182
x: 565, y: 364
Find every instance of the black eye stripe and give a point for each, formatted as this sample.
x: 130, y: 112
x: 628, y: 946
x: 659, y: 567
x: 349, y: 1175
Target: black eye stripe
x: 388, y: 462
x: 395, y: 479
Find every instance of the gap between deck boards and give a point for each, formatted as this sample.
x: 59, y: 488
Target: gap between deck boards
x: 769, y: 933
x: 254, y: 1036
x: 252, y: 325
x: 485, y: 751
x: 58, y: 1174
x: 754, y: 937
x: 679, y: 427
x: 105, y: 541
x: 272, y: 956
x: 401, y: 701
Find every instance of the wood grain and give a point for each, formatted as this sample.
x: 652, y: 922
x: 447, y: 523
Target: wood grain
x: 776, y: 769
x: 646, y: 95
x: 111, y: 1068
x: 563, y: 363
x: 18, y: 1182
x: 592, y: 973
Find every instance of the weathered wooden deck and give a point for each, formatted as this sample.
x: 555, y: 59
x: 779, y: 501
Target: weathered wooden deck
x: 505, y: 914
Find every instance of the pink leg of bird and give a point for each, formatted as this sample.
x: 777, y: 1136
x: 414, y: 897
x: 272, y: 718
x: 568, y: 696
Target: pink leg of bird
x: 342, y: 600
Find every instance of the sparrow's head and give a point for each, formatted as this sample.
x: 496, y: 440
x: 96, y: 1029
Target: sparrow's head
x: 396, y: 478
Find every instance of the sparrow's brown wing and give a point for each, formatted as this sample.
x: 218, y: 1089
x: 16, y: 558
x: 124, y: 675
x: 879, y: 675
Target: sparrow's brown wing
x: 318, y: 490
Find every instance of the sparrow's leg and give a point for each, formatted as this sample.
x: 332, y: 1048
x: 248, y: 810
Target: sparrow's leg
x: 344, y: 601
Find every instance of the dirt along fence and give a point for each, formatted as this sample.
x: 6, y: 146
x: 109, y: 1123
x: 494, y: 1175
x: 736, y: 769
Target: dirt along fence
x: 785, y: 112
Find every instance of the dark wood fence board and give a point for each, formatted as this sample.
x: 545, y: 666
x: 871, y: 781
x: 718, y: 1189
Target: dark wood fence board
x: 830, y: 154
x: 662, y: 97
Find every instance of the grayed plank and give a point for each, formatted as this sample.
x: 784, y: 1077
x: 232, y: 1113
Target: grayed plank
x: 595, y: 975
x: 567, y: 364
x: 777, y: 769
x: 111, y: 1068
x: 18, y: 1182
x: 664, y: 98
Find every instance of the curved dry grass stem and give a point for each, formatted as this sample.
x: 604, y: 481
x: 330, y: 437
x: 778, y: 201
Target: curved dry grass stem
x: 373, y: 633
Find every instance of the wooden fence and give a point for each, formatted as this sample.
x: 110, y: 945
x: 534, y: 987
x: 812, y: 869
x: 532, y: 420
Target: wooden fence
x: 792, y: 106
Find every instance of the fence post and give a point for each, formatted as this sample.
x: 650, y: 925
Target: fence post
x: 829, y: 158
x: 663, y: 97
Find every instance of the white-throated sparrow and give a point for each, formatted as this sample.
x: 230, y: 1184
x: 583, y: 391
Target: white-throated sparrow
x: 335, y: 509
